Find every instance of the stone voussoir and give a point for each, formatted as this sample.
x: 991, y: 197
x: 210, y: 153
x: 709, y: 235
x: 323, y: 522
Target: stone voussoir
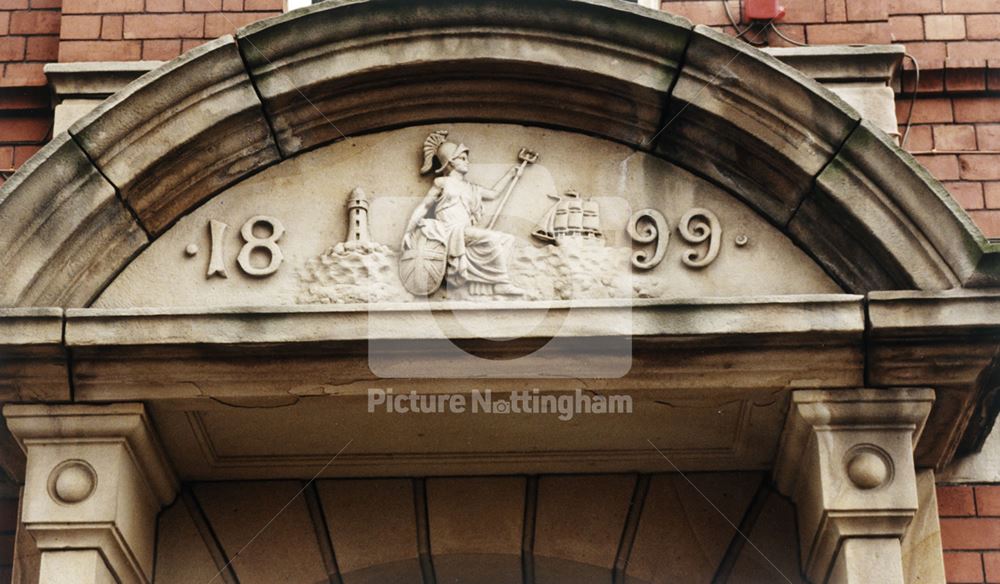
x: 875, y: 200
x: 179, y: 134
x: 751, y: 123
x: 63, y: 231
x: 343, y: 68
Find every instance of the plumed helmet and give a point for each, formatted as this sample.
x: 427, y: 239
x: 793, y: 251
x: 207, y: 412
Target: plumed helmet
x: 439, y: 152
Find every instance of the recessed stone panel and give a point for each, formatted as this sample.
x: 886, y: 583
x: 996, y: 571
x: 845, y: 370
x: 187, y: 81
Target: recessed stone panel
x: 457, y: 511
x: 695, y: 513
x: 287, y: 551
x: 284, y: 236
x: 373, y: 529
x: 182, y: 555
x: 579, y: 525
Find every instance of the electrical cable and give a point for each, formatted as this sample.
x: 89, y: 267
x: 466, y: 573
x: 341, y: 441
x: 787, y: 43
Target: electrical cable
x: 732, y: 21
x: 790, y: 40
x: 913, y: 100
x: 771, y: 26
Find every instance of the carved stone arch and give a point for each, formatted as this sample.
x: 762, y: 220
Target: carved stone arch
x: 76, y: 214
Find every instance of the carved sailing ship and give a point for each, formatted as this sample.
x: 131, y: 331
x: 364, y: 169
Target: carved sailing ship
x: 571, y: 218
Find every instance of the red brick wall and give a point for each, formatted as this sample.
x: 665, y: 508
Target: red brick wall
x: 970, y: 533
x: 956, y: 127
x: 8, y: 531
x: 130, y: 30
x: 25, y: 125
x: 956, y: 131
x: 957, y: 137
x: 820, y: 22
x: 29, y: 38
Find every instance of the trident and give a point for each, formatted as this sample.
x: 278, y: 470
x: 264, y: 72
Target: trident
x: 526, y: 157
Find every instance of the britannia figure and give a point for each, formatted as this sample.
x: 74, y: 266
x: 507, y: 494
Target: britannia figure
x: 444, y: 240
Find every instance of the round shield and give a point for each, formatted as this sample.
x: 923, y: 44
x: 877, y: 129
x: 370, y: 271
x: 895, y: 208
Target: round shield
x: 422, y: 266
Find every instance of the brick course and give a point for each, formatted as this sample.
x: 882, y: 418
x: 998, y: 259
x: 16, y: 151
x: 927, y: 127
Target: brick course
x: 970, y: 524
x: 128, y: 30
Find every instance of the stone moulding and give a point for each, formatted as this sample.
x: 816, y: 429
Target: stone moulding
x: 819, y: 314
x: 117, y: 481
x: 826, y: 433
x: 597, y: 67
x: 751, y: 123
x: 183, y: 132
x: 179, y: 134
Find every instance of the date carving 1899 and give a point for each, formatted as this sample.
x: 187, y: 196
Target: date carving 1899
x: 649, y: 226
x: 217, y: 260
x: 696, y: 226
x: 269, y: 243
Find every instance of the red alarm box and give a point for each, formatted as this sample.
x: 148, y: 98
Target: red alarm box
x: 764, y: 10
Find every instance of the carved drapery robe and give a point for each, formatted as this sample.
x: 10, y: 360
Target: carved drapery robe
x: 474, y: 254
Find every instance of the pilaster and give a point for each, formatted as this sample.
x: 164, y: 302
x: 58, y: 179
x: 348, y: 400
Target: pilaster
x: 96, y: 478
x: 846, y: 459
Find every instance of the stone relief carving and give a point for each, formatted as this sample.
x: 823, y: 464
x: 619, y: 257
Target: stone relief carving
x: 443, y: 241
x: 449, y: 249
x: 696, y: 226
x: 252, y: 243
x: 72, y: 481
x: 357, y: 270
x: 649, y: 226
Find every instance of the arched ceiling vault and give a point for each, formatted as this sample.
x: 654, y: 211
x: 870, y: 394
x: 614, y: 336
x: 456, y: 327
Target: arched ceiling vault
x: 76, y: 214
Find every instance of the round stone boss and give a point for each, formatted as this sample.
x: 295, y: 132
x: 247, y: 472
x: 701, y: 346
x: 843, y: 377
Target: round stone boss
x: 868, y: 466
x: 72, y: 481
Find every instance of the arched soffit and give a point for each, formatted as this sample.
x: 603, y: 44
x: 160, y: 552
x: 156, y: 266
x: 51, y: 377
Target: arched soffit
x: 90, y: 201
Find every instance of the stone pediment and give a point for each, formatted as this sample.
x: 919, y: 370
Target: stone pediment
x: 587, y: 219
x: 224, y: 179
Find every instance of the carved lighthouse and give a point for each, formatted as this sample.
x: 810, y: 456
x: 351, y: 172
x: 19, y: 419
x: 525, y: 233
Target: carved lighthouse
x: 357, y: 217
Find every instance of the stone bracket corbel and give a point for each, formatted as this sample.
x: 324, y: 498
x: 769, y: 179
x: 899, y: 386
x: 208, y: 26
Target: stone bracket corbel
x: 96, y: 479
x: 846, y: 460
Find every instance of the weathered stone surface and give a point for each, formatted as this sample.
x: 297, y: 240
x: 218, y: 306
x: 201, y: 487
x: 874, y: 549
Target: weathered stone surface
x: 772, y: 535
x: 860, y: 560
x: 96, y: 479
x: 846, y: 460
x: 63, y: 232
x: 696, y: 518
x: 578, y: 526
x: 598, y: 66
x: 33, y: 362
x: 80, y: 87
x: 179, y: 134
x: 181, y: 553
x: 584, y: 524
x: 75, y: 567
x: 751, y: 123
x: 946, y: 340
x: 313, y: 208
x: 287, y: 551
x: 360, y: 512
x: 982, y: 467
x: 870, y: 64
x: 767, y: 149
x: 94, y: 79
x: 863, y: 76
x: 923, y: 561
x: 874, y: 200
x: 457, y: 510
